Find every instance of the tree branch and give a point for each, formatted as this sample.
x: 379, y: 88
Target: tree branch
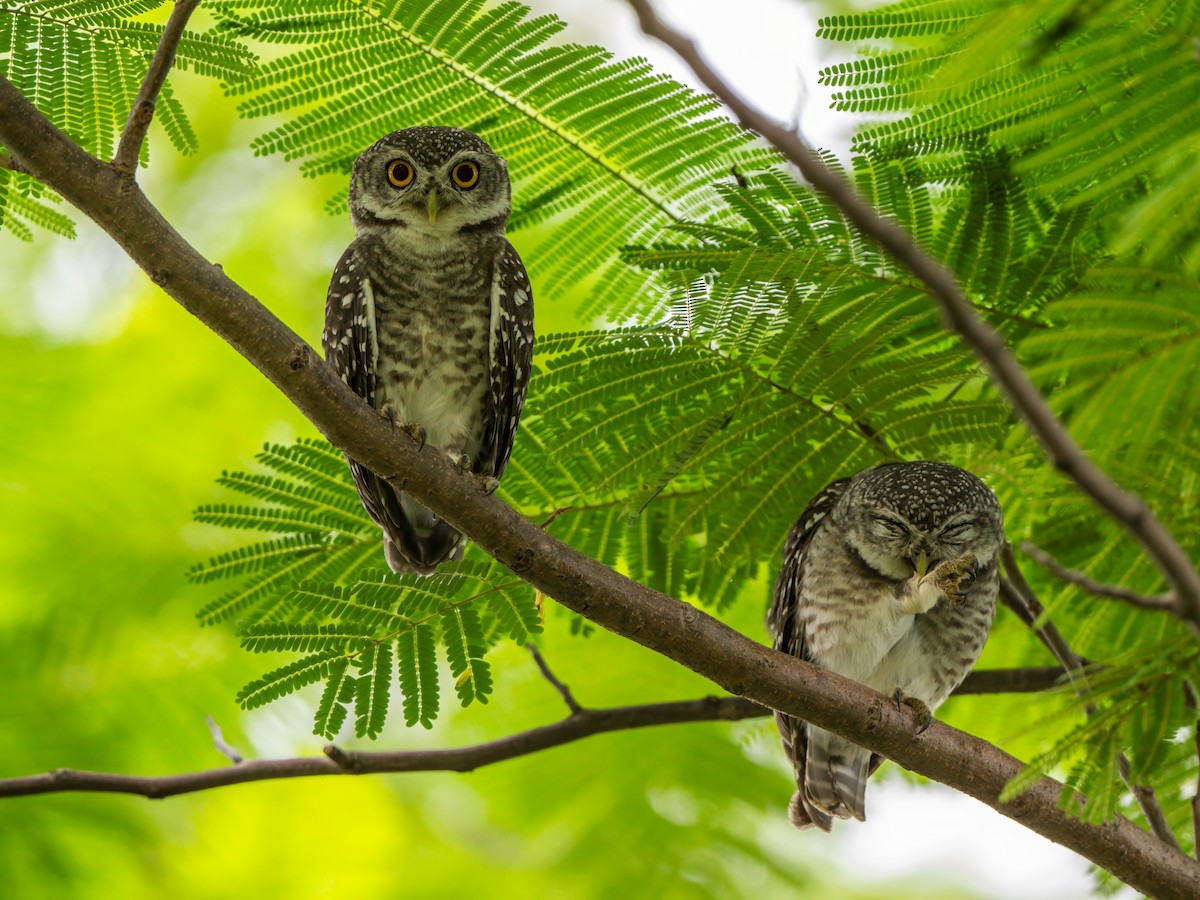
x: 581, y: 723
x: 1019, y: 593
x: 563, y: 690
x: 220, y: 744
x: 676, y: 630
x: 1075, y: 577
x: 1126, y: 508
x: 338, y: 761
x: 142, y: 111
x: 11, y: 163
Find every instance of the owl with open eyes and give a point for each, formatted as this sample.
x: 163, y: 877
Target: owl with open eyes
x: 429, y: 318
x: 889, y: 578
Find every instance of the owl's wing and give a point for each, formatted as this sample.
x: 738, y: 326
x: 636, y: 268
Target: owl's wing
x: 781, y: 619
x: 784, y: 623
x: 349, y: 336
x: 351, y: 347
x: 510, y: 357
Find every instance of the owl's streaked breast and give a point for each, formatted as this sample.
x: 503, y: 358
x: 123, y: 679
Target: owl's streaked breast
x: 432, y: 318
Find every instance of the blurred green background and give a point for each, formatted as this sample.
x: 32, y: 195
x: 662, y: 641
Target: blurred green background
x: 117, y: 411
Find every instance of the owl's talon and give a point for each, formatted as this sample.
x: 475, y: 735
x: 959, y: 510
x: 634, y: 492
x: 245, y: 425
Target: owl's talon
x: 954, y: 577
x: 389, y: 412
x: 417, y: 433
x: 488, y: 484
x: 924, y: 716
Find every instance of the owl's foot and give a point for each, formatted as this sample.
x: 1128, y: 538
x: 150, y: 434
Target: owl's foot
x: 417, y: 433
x: 389, y: 412
x: 924, y: 716
x: 488, y: 484
x: 461, y: 460
x: 954, y: 577
x: 412, y: 429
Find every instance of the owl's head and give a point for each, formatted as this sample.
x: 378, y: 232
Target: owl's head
x: 433, y: 179
x: 903, y: 518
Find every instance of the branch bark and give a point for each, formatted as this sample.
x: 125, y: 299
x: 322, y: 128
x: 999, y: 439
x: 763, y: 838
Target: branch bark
x: 1019, y: 596
x: 142, y: 112
x: 581, y: 723
x: 8, y: 162
x: 676, y: 630
x: 1123, y: 506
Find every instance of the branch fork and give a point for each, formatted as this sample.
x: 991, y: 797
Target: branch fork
x: 129, y: 149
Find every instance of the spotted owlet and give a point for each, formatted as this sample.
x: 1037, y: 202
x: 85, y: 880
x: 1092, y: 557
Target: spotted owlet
x: 889, y: 578
x: 429, y: 318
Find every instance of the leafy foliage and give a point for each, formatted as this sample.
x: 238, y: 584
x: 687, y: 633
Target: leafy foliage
x: 610, y: 152
x: 309, y: 590
x: 1136, y: 706
x: 81, y: 63
x: 1094, y: 100
x: 783, y: 351
x: 1046, y: 151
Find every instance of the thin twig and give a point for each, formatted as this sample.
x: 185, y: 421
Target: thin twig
x: 1017, y: 592
x: 554, y: 515
x: 1147, y: 802
x: 579, y: 724
x: 1067, y: 456
x: 142, y: 111
x: 1079, y: 579
x: 219, y: 741
x: 568, y: 697
x: 7, y: 161
x: 1010, y: 681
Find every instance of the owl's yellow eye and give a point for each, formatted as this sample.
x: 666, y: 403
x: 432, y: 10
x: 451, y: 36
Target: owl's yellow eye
x: 465, y: 175
x: 400, y: 173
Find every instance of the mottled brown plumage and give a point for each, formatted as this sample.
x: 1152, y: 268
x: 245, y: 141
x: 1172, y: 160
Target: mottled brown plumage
x: 889, y: 578
x: 429, y: 318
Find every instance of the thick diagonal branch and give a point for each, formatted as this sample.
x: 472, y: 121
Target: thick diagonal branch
x: 1125, y: 507
x: 676, y: 630
x: 142, y: 111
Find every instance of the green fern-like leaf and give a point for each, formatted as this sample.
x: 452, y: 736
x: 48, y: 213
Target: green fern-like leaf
x: 312, y: 590
x: 372, y: 689
x: 463, y: 634
x: 331, y: 711
x: 417, y: 665
x: 306, y: 637
x: 81, y: 64
x: 1094, y: 105
x: 287, y: 679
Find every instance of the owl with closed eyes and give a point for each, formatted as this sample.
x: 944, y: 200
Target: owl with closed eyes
x: 429, y: 318
x: 889, y: 578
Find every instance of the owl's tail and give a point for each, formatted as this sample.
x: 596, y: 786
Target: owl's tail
x: 831, y: 783
x: 422, y: 553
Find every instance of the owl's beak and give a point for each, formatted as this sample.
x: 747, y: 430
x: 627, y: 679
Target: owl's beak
x: 432, y: 206
x: 921, y: 564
